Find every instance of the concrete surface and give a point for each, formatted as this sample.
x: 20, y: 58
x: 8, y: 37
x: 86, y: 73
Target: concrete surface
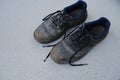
x: 21, y: 57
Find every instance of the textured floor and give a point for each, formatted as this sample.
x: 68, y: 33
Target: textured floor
x: 21, y: 57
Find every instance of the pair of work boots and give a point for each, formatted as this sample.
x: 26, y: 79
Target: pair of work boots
x: 78, y: 42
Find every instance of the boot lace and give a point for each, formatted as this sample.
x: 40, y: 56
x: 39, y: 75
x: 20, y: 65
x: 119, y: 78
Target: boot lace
x: 60, y: 20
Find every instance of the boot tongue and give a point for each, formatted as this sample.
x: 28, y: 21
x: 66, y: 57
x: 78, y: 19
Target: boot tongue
x: 66, y: 14
x: 86, y: 32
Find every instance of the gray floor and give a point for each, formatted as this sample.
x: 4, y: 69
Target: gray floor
x: 21, y: 57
